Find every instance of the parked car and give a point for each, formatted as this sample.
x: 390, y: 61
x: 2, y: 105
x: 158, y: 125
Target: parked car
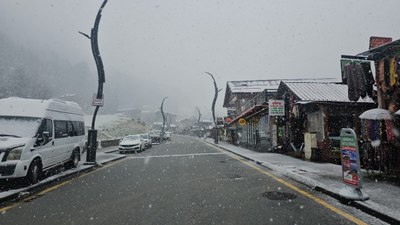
x: 168, y: 135
x: 155, y: 136
x: 37, y: 135
x: 131, y: 143
x: 147, y: 140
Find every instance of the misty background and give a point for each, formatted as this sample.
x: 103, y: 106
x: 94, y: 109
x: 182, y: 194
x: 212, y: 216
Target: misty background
x: 154, y: 48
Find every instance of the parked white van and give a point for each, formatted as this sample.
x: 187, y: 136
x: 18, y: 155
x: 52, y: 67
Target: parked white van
x: 36, y: 135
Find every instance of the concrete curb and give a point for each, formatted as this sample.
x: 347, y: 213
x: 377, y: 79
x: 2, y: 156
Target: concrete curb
x: 111, y: 151
x: 57, y: 178
x: 369, y: 207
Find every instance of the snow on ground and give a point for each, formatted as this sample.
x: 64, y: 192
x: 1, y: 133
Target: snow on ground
x: 116, y: 126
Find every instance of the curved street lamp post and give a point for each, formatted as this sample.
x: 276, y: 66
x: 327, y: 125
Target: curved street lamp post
x: 198, y: 120
x: 213, y: 108
x: 163, y: 115
x: 92, y: 133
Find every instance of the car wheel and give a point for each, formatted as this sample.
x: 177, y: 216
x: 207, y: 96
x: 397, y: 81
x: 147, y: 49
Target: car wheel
x: 74, y: 160
x: 34, y: 172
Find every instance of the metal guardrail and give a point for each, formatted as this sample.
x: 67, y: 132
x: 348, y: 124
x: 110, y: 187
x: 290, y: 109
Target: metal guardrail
x: 109, y: 143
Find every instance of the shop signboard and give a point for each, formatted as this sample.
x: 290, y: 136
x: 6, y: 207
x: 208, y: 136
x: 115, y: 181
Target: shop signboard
x: 378, y: 41
x: 231, y: 111
x: 351, y: 171
x: 276, y: 107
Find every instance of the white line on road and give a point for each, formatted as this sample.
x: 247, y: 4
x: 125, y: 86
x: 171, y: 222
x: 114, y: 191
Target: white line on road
x: 177, y: 155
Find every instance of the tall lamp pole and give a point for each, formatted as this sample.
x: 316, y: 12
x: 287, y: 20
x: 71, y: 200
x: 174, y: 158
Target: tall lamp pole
x: 92, y: 133
x: 163, y: 115
x: 213, y: 107
x: 198, y: 120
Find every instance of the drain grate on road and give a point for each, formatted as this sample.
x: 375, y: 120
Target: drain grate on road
x: 279, y: 195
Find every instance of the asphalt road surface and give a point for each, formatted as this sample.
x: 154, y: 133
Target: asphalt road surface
x: 184, y: 181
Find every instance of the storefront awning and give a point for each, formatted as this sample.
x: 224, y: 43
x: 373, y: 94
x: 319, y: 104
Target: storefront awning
x: 247, y: 112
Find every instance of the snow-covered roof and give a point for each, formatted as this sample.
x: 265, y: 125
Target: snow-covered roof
x: 254, y: 86
x: 321, y: 92
x: 14, y: 106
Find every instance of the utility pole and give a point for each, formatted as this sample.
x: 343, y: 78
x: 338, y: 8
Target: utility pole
x: 92, y: 133
x: 213, y: 108
x: 163, y: 115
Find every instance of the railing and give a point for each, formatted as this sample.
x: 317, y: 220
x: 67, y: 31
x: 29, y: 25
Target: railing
x: 259, y: 99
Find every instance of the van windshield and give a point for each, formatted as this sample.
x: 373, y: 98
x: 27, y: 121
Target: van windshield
x: 16, y: 126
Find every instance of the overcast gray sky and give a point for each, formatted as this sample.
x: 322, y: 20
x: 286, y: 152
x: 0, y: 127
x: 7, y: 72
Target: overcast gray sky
x: 166, y: 46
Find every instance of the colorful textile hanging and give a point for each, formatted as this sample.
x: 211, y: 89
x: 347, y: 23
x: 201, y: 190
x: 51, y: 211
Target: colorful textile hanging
x: 392, y: 69
x: 380, y: 75
x: 387, y: 74
x: 367, y: 125
x: 374, y: 131
x: 389, y: 131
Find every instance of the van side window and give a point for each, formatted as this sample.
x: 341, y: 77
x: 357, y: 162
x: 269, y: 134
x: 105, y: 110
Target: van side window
x: 78, y: 128
x: 81, y: 128
x: 71, y: 129
x: 60, y: 128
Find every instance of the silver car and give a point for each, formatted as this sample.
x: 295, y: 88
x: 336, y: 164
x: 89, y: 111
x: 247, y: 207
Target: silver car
x: 147, y: 140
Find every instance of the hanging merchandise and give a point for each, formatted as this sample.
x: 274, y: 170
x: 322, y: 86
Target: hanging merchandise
x: 389, y: 131
x: 380, y: 75
x: 367, y: 125
x: 355, y: 81
x: 374, y: 131
x: 387, y: 74
x: 369, y: 78
x: 392, y: 70
x: 397, y: 66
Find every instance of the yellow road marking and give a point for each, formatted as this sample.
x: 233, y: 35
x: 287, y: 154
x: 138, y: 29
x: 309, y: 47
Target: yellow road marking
x: 57, y: 186
x: 298, y: 190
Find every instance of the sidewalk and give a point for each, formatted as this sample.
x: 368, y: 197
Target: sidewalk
x: 384, y: 199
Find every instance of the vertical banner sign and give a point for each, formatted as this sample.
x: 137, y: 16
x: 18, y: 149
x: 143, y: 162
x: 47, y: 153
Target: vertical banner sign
x: 276, y: 107
x: 351, y: 171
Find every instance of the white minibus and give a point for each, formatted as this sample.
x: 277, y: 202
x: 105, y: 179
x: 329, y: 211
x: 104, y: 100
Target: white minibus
x: 37, y: 135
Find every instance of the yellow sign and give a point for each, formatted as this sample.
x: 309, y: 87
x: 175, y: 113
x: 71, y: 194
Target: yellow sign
x: 242, y: 122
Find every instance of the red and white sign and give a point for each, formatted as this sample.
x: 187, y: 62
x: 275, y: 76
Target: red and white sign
x: 276, y: 107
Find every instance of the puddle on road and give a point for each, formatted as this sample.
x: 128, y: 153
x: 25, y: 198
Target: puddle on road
x: 279, y: 195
